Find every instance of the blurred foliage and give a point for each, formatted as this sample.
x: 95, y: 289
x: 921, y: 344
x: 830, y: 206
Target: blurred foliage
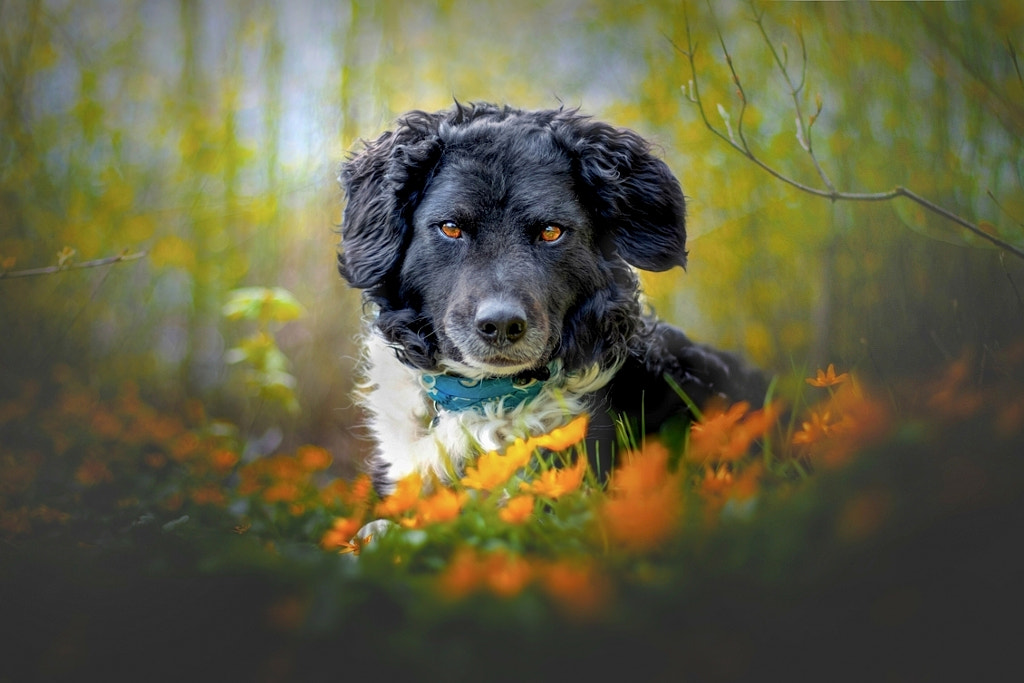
x: 169, y: 169
x: 266, y: 366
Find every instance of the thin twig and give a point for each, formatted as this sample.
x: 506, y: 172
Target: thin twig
x: 830, y: 192
x: 48, y: 270
x: 795, y: 90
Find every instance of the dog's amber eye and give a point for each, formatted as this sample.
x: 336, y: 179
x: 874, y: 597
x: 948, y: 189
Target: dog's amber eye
x: 449, y: 229
x: 550, y: 233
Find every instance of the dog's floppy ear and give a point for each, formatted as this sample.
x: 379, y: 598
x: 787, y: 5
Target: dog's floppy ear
x: 637, y: 198
x: 382, y: 184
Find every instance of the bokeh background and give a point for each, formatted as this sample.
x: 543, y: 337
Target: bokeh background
x: 209, y: 136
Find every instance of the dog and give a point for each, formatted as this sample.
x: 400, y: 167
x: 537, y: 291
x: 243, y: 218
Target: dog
x: 497, y: 251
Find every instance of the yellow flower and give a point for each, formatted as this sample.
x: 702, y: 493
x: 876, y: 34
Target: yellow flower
x: 491, y: 471
x: 519, y: 453
x: 406, y: 493
x: 827, y: 378
x: 564, y: 437
x: 517, y: 510
x: 557, y: 481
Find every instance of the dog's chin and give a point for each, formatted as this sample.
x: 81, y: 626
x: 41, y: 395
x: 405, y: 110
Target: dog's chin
x: 474, y: 368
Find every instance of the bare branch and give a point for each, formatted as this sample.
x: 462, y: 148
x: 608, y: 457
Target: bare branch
x: 829, y: 192
x: 1016, y: 63
x: 49, y: 270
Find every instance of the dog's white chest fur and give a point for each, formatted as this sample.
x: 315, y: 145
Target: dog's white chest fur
x: 413, y: 436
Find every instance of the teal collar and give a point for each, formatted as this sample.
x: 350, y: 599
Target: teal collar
x: 452, y: 393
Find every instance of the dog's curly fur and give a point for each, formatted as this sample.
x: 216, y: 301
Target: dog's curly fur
x: 492, y: 241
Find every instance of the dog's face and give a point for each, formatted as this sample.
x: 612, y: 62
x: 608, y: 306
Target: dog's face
x: 501, y: 250
x: 494, y: 241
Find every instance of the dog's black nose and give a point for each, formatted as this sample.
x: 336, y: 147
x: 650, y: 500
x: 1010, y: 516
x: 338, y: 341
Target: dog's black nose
x: 500, y: 322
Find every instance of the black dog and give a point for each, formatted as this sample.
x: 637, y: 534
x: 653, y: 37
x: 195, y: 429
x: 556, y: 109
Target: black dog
x: 497, y: 249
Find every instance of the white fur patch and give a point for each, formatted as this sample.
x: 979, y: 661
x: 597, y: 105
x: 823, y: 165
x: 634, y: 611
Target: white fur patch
x: 412, y: 437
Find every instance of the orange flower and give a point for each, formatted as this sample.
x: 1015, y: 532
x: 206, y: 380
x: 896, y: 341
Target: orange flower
x: 284, y: 467
x: 564, y: 437
x: 863, y: 421
x: 462, y: 576
x: 281, y: 492
x: 517, y: 510
x: 727, y: 436
x: 503, y: 574
x: 721, y: 483
x: 641, y: 523
x: 644, y: 503
x: 506, y: 575
x: 717, y: 480
x: 641, y: 471
x: 443, y: 506
x: 355, y: 546
x: 577, y: 586
x: 557, y: 481
x: 760, y: 422
x: 358, y: 493
x: 340, y: 533
x: 827, y: 378
x: 406, y: 493
x: 817, y: 428
x: 491, y: 471
x: 314, y: 457
x: 223, y: 459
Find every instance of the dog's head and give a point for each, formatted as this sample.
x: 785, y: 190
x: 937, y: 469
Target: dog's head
x: 495, y: 240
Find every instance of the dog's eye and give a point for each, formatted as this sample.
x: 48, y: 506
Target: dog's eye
x: 450, y: 229
x: 551, y: 233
